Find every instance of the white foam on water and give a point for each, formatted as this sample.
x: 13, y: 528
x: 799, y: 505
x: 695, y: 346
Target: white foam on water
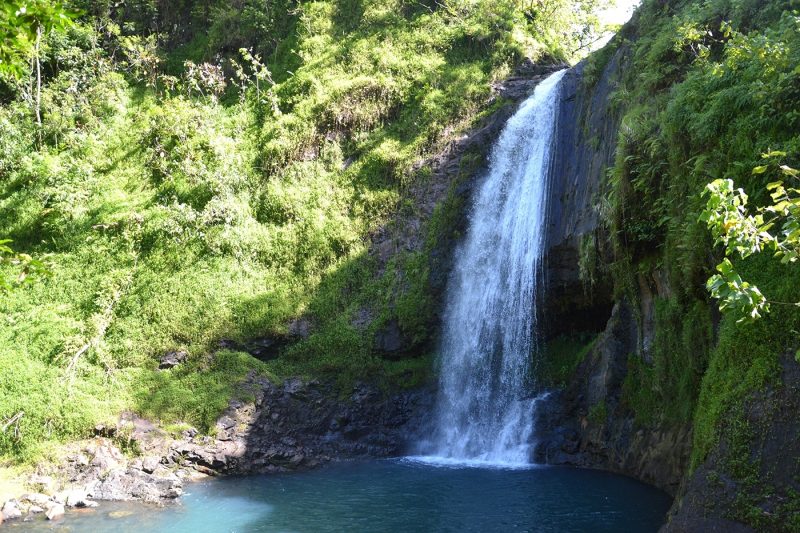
x: 450, y: 462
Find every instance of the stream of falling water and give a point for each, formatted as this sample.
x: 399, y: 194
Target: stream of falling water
x: 485, y: 413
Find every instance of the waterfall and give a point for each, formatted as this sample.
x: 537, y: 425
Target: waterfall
x: 485, y: 411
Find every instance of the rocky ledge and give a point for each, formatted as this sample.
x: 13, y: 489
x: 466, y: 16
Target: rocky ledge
x: 295, y: 425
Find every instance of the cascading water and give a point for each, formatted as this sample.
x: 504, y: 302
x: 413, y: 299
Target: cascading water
x: 485, y: 412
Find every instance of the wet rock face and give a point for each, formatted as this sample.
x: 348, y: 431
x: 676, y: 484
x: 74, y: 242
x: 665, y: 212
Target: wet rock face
x: 588, y: 425
x: 758, y: 480
x: 302, y: 424
x: 584, y: 145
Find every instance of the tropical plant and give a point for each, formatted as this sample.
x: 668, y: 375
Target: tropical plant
x: 774, y: 228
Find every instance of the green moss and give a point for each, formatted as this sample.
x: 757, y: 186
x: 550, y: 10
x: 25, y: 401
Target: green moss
x: 746, y: 356
x: 560, y: 357
x: 598, y: 413
x: 408, y: 373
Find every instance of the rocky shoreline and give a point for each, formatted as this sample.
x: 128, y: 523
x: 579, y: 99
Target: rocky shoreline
x: 292, y: 426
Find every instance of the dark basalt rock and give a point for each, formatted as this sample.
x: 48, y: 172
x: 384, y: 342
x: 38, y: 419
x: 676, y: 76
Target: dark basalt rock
x: 297, y: 424
x: 302, y: 424
x: 714, y: 496
x: 264, y: 348
x: 568, y: 434
x: 390, y: 339
x: 172, y: 359
x: 587, y: 424
x: 584, y: 144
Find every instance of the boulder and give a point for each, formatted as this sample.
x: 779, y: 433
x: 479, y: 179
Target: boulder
x: 76, y: 498
x: 55, y: 511
x: 137, y: 485
x: 172, y: 359
x: 390, y: 339
x: 11, y: 510
x: 149, y: 464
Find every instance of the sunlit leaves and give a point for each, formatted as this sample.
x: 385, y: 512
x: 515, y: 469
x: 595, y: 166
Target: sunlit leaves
x: 735, y: 294
x: 19, y: 23
x: 774, y: 228
x: 26, y: 267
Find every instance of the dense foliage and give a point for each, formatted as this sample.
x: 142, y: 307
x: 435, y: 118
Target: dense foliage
x: 199, y: 173
x: 709, y: 88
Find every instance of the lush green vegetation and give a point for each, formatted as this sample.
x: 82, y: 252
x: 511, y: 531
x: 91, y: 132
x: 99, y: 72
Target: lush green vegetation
x: 221, y: 180
x: 560, y: 357
x: 709, y: 88
x: 745, y: 234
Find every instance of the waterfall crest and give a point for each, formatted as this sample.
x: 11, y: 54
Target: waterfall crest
x: 485, y: 412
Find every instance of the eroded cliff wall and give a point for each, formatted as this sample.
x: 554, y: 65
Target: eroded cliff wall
x: 669, y: 390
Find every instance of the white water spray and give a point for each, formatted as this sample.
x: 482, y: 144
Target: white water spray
x: 485, y: 412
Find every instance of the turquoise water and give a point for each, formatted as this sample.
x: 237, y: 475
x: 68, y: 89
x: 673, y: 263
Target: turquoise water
x: 397, y: 495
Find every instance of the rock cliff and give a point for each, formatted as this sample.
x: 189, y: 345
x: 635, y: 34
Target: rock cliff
x: 749, y: 481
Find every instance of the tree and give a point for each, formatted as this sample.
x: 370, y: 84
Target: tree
x: 775, y: 228
x: 22, y: 24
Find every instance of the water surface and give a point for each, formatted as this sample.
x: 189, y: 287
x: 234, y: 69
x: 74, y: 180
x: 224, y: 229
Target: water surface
x: 399, y: 495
